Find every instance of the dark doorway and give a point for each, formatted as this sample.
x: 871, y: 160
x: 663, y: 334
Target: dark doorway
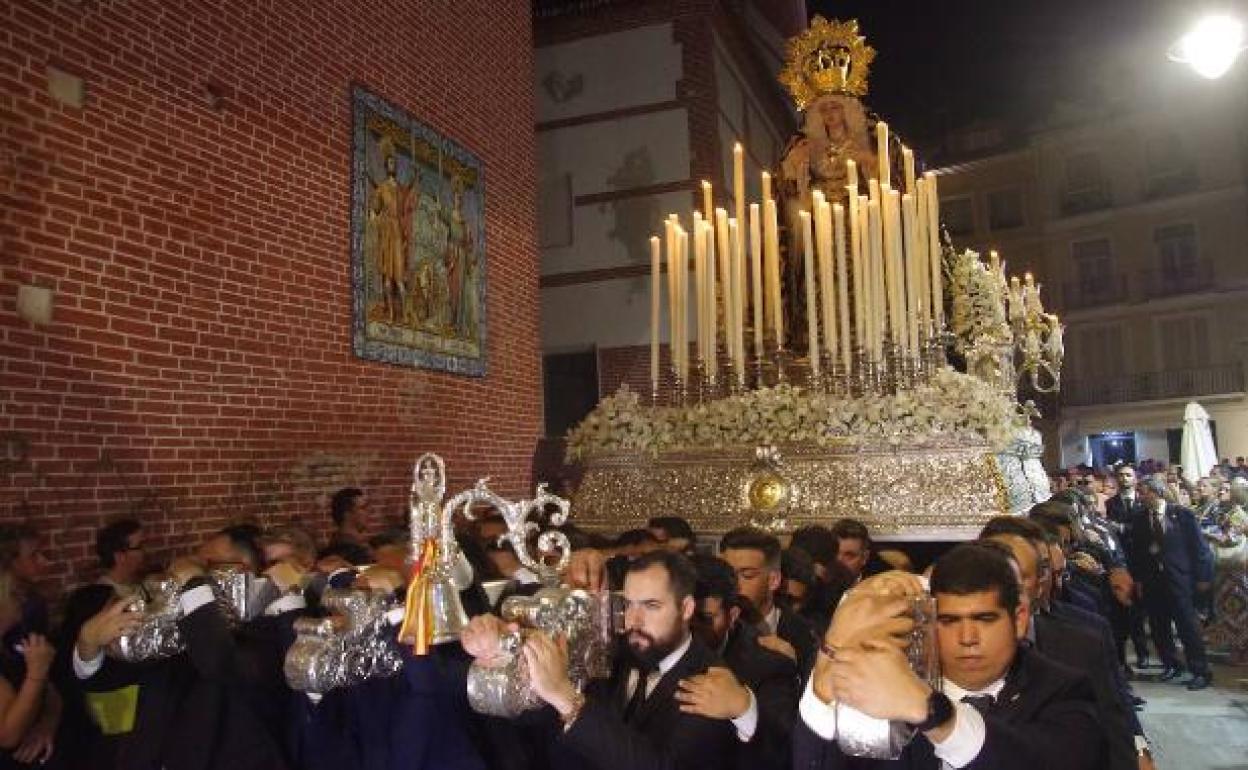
x: 1112, y: 448
x: 570, y: 381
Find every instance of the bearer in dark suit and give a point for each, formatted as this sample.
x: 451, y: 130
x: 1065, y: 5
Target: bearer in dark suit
x: 218, y: 705
x: 1128, y: 619
x: 755, y: 555
x: 633, y: 721
x: 1171, y: 562
x: 999, y: 706
x: 757, y: 689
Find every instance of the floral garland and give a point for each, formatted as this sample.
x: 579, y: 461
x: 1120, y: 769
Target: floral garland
x: 951, y: 404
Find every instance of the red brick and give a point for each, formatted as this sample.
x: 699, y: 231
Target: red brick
x: 202, y: 328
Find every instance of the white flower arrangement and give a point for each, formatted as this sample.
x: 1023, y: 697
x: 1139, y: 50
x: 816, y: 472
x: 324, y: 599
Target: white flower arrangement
x: 950, y: 405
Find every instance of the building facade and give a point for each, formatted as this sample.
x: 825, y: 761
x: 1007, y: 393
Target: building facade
x: 1135, y: 220
x: 637, y: 103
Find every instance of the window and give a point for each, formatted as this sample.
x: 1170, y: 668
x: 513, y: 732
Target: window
x: 554, y: 211
x: 1005, y: 209
x: 1170, y: 169
x: 1099, y: 353
x: 1094, y: 266
x: 1176, y: 252
x: 1184, y: 342
x: 1086, y: 187
x: 958, y: 215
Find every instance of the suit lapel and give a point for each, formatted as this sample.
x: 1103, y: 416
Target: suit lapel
x: 664, y: 692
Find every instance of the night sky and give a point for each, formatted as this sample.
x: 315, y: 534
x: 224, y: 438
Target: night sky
x: 944, y: 64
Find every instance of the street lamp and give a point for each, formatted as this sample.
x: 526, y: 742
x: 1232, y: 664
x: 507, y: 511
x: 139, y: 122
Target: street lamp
x: 1211, y: 46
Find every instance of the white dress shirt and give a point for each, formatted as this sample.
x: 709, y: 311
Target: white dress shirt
x: 957, y: 750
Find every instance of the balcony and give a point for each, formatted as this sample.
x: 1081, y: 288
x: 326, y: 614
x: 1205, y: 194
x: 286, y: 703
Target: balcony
x: 1155, y: 284
x: 1075, y: 202
x: 1110, y: 290
x: 1153, y: 386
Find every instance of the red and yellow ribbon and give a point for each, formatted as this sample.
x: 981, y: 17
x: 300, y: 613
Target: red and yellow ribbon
x: 418, y: 611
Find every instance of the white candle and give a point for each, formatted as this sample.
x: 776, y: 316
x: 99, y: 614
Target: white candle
x: 766, y: 187
x: 881, y: 151
x: 864, y: 285
x: 913, y: 269
x: 935, y: 254
x: 738, y: 181
x: 656, y: 267
x: 897, y: 283
x: 921, y: 248
x: 708, y: 202
x: 699, y: 285
x: 907, y: 162
x: 842, y: 287
x: 812, y: 324
x: 876, y: 268
x: 855, y: 251
x: 713, y: 257
x: 756, y: 276
x: 771, y: 244
x: 827, y: 288
x: 738, y: 300
x: 682, y: 254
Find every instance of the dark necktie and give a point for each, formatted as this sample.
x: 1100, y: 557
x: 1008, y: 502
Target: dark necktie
x: 638, y: 697
x: 980, y: 703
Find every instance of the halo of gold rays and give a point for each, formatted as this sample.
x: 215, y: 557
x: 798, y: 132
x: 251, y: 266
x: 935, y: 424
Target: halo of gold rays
x: 808, y: 73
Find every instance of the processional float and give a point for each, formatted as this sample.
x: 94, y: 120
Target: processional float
x: 808, y: 375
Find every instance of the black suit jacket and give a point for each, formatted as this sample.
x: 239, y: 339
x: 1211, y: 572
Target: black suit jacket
x: 799, y: 632
x: 1045, y: 718
x: 1117, y: 510
x: 776, y: 685
x: 209, y: 708
x: 1082, y: 649
x: 1181, y: 560
x: 660, y: 737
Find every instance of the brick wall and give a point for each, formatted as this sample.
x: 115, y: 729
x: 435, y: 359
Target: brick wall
x: 199, y: 368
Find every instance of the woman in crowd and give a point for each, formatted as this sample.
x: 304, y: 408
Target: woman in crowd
x: 23, y: 687
x: 1227, y: 531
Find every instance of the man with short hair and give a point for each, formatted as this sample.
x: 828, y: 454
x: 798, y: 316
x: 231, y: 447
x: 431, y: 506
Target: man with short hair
x: 633, y: 721
x: 755, y: 678
x: 1171, y: 562
x: 97, y: 716
x: 999, y: 705
x: 755, y: 555
x: 673, y: 533
x: 354, y: 523
x: 1128, y: 620
x: 853, y: 546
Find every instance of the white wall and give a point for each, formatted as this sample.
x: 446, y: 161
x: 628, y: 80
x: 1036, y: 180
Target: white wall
x: 623, y: 69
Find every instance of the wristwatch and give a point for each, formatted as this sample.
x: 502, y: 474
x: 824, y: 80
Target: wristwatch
x: 939, y: 711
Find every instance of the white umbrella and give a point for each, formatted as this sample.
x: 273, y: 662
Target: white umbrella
x: 1198, y: 455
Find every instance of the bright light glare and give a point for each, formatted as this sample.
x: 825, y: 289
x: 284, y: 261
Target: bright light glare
x: 1211, y: 46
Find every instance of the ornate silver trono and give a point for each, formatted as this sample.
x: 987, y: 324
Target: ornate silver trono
x: 859, y: 735
x: 232, y: 588
x: 502, y: 689
x: 346, y: 648
x: 157, y: 634
x: 501, y: 686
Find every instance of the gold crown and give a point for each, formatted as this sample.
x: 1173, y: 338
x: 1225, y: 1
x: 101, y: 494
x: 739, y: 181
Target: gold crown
x: 828, y: 58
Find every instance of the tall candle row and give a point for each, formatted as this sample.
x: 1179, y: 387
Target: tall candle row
x: 872, y: 271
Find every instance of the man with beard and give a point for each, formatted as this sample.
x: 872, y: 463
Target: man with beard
x: 757, y: 687
x: 633, y: 721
